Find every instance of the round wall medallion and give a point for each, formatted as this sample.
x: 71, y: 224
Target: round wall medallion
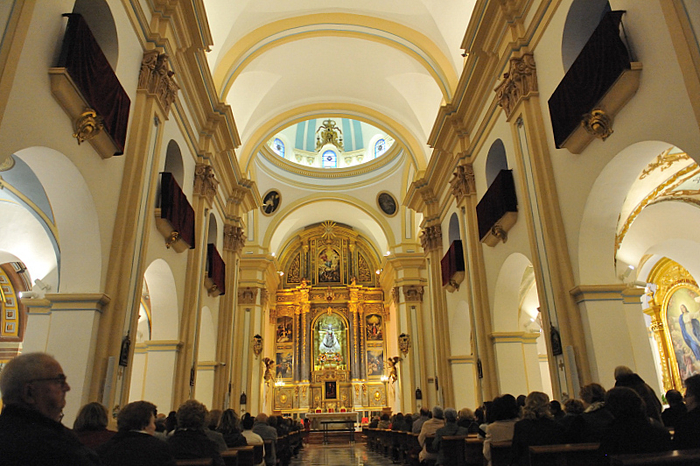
x: 387, y: 203
x: 271, y: 202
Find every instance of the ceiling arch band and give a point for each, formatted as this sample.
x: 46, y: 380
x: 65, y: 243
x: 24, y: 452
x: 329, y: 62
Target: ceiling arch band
x: 402, y: 38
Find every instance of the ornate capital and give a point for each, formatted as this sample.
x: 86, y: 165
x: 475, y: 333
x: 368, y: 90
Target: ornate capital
x: 395, y: 295
x: 248, y: 295
x: 463, y: 182
x: 431, y: 237
x: 234, y: 238
x: 156, y: 78
x: 264, y: 297
x: 205, y: 183
x: 413, y: 293
x: 518, y: 83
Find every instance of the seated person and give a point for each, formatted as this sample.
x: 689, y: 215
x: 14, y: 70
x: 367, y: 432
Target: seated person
x: 451, y: 428
x: 537, y: 427
x: 632, y: 431
x: 676, y: 409
x: 228, y: 427
x: 595, y: 419
x: 189, y: 441
x: 251, y: 437
x: 134, y: 444
x: 687, y: 433
x: 384, y: 422
x: 91, y: 425
x: 467, y: 419
x: 427, y: 430
x: 504, y: 411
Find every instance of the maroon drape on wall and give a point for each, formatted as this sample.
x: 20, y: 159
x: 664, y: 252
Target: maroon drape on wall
x: 216, y: 268
x: 601, y: 61
x: 85, y: 63
x: 453, y: 262
x: 499, y: 199
x: 175, y: 208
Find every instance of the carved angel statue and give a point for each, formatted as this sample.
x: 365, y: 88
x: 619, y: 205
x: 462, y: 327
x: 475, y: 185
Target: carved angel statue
x: 392, y: 363
x: 269, y: 365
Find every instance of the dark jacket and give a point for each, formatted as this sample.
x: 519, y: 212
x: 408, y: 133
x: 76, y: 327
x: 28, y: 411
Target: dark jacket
x: 28, y: 438
x: 590, y: 426
x: 634, y: 436
x: 193, y: 443
x: 235, y: 439
x: 450, y: 429
x: 531, y: 432
x: 129, y: 448
x: 673, y: 414
x: 636, y: 383
x: 687, y: 432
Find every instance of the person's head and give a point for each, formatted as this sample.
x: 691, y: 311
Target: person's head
x: 247, y: 421
x: 480, y: 415
x: 622, y: 371
x: 573, y: 406
x: 171, y: 421
x: 424, y: 412
x: 592, y: 393
x: 213, y: 418
x: 438, y: 413
x: 385, y: 417
x: 625, y: 403
x: 228, y: 422
x: 674, y: 397
x: 408, y: 419
x: 521, y: 400
x: 692, y: 392
x: 505, y: 407
x: 36, y: 381
x: 466, y: 414
x: 92, y: 416
x: 450, y: 415
x: 272, y: 421
x: 261, y: 418
x: 555, y: 408
x: 191, y: 415
x: 537, y: 406
x: 138, y: 415
x: 684, y: 309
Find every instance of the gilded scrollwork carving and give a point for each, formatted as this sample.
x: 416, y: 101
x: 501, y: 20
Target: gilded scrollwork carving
x: 205, y: 182
x: 156, y: 78
x: 518, y: 83
x: 598, y: 123
x: 88, y: 125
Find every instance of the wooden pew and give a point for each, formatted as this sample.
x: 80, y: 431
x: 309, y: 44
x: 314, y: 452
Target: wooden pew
x: 570, y: 454
x: 501, y: 453
x: 195, y: 462
x: 473, y: 451
x: 230, y: 457
x: 270, y: 450
x: 246, y: 455
x: 412, y: 449
x: 672, y: 457
x: 453, y: 447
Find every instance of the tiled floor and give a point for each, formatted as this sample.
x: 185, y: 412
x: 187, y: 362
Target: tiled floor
x: 348, y: 454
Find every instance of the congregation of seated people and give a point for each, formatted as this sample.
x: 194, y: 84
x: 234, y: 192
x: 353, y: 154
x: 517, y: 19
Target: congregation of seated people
x: 626, y: 419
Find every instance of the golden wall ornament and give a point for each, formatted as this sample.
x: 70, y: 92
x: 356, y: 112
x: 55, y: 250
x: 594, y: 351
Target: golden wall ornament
x: 518, y: 83
x: 404, y: 343
x: 598, y: 123
x: 664, y: 161
x: 87, y: 125
x: 257, y: 345
x: 205, y: 182
x: 7, y: 164
x: 156, y: 78
x: 413, y: 293
x: 463, y: 182
x: 248, y: 295
x: 431, y: 237
x: 172, y: 238
x: 234, y: 238
x: 500, y: 233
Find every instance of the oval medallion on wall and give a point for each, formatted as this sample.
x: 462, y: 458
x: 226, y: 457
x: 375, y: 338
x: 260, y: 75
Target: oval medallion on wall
x: 387, y: 203
x: 271, y: 202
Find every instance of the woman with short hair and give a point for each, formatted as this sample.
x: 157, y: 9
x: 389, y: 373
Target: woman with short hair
x: 537, y: 427
x: 91, y: 425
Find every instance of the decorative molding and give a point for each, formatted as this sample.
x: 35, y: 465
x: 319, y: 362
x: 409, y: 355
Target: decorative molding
x: 413, y: 293
x: 88, y: 125
x: 156, y: 78
x: 583, y: 293
x: 598, y: 124
x: 431, y: 237
x: 205, y: 182
x: 234, y: 238
x: 463, y: 182
x: 518, y: 83
x: 248, y: 295
x: 515, y: 337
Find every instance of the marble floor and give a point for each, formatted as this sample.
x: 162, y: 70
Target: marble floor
x: 349, y: 454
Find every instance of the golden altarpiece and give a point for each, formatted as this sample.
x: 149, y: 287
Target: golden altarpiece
x: 672, y: 300
x: 330, y: 323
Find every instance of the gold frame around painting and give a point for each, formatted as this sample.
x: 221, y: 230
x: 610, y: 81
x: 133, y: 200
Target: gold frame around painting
x: 682, y: 335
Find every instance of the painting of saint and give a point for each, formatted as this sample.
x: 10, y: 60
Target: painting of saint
x: 284, y: 364
x: 683, y: 322
x: 374, y: 327
x: 375, y: 363
x: 328, y: 266
x: 284, y: 329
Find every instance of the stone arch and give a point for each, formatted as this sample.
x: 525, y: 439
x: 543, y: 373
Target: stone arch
x: 581, y: 21
x: 173, y: 162
x: 101, y: 22
x: 163, y: 297
x: 453, y: 229
x: 496, y: 161
x: 507, y: 294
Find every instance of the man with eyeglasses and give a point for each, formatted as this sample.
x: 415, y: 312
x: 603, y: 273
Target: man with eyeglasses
x: 34, y: 390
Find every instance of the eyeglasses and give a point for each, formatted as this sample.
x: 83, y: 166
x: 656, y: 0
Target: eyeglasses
x: 59, y: 379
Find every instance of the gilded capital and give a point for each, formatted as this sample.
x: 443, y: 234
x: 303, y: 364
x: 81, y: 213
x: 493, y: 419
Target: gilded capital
x: 413, y: 293
x: 205, y: 183
x: 463, y: 182
x: 518, y: 83
x: 431, y: 237
x: 234, y: 238
x: 248, y: 295
x: 156, y: 78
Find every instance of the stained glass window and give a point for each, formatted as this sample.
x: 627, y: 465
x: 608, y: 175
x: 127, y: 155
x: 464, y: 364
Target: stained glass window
x: 278, y: 147
x: 330, y: 159
x: 379, y: 148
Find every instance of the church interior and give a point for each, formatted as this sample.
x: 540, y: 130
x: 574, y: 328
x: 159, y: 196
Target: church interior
x: 317, y: 207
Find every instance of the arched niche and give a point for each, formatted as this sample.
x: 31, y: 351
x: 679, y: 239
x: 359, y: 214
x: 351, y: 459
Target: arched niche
x: 163, y: 301
x: 515, y: 272
x: 453, y: 232
x: 330, y: 341
x: 173, y: 162
x: 496, y: 161
x: 212, y: 230
x: 101, y: 22
x: 581, y: 21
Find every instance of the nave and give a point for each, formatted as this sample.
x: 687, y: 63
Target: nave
x: 349, y: 454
